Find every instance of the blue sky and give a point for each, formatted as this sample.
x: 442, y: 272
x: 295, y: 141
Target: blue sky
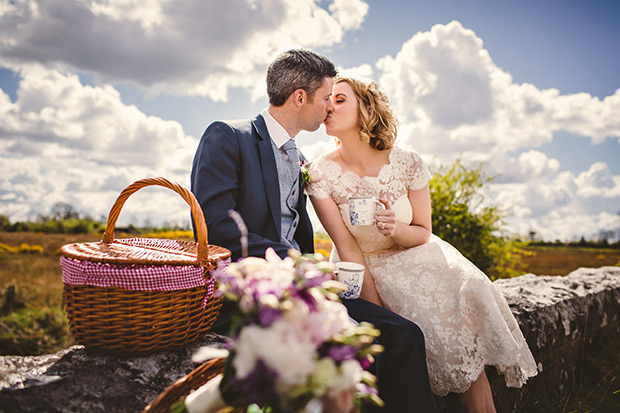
x: 99, y: 95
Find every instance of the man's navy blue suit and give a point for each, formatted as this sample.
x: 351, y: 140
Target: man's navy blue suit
x: 235, y: 168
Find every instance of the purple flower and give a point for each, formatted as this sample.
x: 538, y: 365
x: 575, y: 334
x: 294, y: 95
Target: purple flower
x: 365, y: 362
x: 317, y: 280
x: 268, y: 315
x: 341, y: 353
x: 366, y: 389
x: 256, y: 387
x: 307, y: 297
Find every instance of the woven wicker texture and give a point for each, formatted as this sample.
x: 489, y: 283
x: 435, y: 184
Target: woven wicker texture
x: 185, y: 385
x: 145, y: 251
x: 127, y: 322
x: 130, y: 322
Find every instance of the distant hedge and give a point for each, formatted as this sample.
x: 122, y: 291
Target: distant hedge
x: 48, y: 225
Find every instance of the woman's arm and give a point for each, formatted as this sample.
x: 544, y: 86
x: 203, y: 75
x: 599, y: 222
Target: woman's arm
x: 348, y: 248
x: 416, y: 233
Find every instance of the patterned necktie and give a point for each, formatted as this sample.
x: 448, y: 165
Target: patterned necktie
x: 292, y: 157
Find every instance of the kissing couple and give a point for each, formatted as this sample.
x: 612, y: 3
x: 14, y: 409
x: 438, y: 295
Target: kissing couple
x: 441, y: 319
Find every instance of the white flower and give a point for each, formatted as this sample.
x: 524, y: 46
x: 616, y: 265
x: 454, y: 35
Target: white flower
x: 296, y: 311
x: 330, y: 319
x: 271, y: 256
x: 246, y: 303
x: 324, y: 377
x: 350, y: 374
x: 270, y: 300
x: 207, y: 398
x: 272, y: 268
x: 310, y: 173
x: 314, y: 174
x: 248, y: 265
x: 205, y: 353
x: 284, y: 347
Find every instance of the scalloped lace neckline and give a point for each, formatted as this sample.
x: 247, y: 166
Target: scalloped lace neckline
x: 343, y: 172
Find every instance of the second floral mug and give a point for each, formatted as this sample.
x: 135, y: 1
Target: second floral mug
x: 352, y: 275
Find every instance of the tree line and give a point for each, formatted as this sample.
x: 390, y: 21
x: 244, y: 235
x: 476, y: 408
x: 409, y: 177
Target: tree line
x: 63, y: 218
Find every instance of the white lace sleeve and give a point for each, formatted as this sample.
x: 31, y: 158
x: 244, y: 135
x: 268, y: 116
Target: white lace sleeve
x: 417, y: 173
x: 319, y: 189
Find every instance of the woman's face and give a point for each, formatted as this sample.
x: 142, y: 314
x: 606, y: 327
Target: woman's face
x: 345, y: 116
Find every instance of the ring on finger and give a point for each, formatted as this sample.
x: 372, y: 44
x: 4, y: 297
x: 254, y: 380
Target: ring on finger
x: 383, y: 225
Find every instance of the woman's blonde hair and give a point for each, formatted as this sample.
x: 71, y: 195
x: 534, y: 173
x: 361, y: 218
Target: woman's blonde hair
x: 378, y: 119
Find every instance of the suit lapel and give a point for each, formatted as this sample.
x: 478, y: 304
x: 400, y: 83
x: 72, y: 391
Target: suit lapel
x: 269, y: 170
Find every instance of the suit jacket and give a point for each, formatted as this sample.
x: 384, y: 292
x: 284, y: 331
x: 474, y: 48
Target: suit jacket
x: 235, y: 168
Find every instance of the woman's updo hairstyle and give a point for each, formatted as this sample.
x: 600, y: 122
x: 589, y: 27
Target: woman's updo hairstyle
x: 376, y: 115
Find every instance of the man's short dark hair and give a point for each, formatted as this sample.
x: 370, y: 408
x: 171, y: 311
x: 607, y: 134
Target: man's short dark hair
x: 297, y: 69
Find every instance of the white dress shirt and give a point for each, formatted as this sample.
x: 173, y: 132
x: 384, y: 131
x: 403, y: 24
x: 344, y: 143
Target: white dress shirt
x: 278, y: 134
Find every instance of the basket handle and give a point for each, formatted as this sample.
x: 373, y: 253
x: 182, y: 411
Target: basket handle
x: 199, y: 219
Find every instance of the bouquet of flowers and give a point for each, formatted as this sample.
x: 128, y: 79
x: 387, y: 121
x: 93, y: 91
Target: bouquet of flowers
x: 294, y: 347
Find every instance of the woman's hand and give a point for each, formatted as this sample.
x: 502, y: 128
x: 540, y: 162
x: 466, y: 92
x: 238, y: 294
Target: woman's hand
x: 386, y: 219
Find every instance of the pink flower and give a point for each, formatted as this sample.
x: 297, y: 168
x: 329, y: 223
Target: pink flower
x: 314, y: 173
x: 310, y: 173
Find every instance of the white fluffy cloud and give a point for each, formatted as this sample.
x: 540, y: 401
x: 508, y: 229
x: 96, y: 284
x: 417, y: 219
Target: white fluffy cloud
x: 349, y: 13
x: 454, y: 102
x: 565, y: 207
x: 62, y: 141
x: 187, y: 47
x: 56, y: 116
x: 452, y: 98
x: 529, y: 166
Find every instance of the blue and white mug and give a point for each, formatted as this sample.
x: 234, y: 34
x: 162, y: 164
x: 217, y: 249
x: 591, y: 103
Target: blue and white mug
x: 362, y: 209
x: 352, y: 275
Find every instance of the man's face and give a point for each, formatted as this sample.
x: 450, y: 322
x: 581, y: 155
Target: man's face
x: 315, y: 110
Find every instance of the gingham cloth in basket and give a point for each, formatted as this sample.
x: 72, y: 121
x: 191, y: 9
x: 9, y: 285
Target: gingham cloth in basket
x: 136, y: 277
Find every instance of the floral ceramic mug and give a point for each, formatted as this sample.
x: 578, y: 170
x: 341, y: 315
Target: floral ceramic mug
x: 362, y: 209
x: 352, y: 275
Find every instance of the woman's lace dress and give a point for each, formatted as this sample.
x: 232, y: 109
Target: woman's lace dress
x: 466, y: 322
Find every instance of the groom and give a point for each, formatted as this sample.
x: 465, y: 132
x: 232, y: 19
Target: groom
x: 252, y: 167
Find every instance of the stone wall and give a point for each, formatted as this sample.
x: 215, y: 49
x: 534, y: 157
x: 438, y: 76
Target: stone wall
x: 561, y: 317
x: 76, y: 380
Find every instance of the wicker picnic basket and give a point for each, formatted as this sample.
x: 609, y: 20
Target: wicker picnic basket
x: 135, y: 321
x: 182, y: 387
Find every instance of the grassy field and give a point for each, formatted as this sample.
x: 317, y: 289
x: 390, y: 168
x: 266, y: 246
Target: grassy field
x: 563, y: 260
x: 32, y: 320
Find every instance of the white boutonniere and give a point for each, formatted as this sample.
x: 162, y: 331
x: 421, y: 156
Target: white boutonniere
x: 310, y: 173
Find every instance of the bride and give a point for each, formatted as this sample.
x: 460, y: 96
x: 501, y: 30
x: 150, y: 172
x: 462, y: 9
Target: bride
x: 466, y: 322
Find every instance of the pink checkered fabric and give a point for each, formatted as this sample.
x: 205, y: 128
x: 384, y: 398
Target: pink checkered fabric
x: 136, y: 277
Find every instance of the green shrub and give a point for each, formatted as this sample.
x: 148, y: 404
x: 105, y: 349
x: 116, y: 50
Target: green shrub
x: 5, y: 223
x: 34, y: 331
x: 461, y: 218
